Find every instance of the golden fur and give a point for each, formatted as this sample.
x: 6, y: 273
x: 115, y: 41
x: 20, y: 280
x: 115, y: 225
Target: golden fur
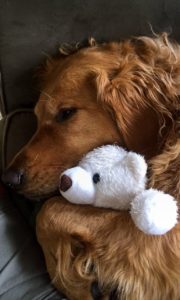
x: 126, y: 93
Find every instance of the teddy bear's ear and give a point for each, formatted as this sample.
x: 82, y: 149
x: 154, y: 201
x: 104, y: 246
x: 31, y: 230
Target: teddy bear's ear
x: 136, y: 165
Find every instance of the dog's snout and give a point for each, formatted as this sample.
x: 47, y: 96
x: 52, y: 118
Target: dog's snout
x: 65, y: 183
x: 13, y: 178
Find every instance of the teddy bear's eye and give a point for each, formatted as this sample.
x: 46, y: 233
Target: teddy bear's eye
x: 96, y: 178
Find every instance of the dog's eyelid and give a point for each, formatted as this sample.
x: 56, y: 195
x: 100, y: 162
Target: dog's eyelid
x: 36, y: 111
x: 65, y: 113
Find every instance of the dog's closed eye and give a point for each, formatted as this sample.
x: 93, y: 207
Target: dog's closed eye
x: 65, y: 114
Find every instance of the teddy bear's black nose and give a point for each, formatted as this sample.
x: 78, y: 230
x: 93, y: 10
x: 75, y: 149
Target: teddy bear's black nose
x: 65, y: 183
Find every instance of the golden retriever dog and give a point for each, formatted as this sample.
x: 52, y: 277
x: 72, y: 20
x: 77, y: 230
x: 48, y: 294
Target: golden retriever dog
x: 119, y: 92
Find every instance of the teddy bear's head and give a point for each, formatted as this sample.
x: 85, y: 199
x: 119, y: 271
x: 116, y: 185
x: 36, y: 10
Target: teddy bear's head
x: 108, y: 176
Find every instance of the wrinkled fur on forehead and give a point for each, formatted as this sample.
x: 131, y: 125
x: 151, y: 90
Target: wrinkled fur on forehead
x: 65, y: 50
x: 142, y: 63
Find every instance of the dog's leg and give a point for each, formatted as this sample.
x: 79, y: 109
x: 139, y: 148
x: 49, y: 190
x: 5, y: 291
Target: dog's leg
x: 65, y: 243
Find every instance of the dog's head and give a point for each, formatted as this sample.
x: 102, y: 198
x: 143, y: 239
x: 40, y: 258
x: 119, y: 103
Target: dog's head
x: 111, y: 93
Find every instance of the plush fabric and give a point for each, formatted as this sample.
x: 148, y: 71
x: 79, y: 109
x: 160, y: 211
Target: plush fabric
x: 111, y: 177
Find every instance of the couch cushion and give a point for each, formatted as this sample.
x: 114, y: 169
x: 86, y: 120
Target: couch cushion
x: 23, y: 273
x: 16, y: 129
x: 31, y: 30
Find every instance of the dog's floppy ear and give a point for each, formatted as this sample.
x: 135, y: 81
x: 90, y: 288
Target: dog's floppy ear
x: 136, y: 121
x: 142, y: 90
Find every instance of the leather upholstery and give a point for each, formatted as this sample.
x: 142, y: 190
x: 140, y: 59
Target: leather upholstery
x: 31, y: 30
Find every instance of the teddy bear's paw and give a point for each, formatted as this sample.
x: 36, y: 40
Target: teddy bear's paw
x: 154, y: 212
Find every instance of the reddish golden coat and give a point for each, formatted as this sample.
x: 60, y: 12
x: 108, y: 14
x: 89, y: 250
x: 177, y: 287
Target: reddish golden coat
x: 128, y: 93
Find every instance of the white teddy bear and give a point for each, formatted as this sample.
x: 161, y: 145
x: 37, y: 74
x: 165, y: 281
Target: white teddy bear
x: 111, y: 177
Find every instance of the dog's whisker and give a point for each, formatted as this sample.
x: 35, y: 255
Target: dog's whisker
x: 55, y: 166
x: 43, y: 100
x: 46, y: 54
x: 36, y: 157
x: 47, y: 95
x: 34, y: 160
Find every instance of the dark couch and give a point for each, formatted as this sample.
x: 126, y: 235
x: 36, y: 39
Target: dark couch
x: 29, y: 31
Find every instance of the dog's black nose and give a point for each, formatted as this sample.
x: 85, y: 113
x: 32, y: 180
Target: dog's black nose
x: 12, y: 178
